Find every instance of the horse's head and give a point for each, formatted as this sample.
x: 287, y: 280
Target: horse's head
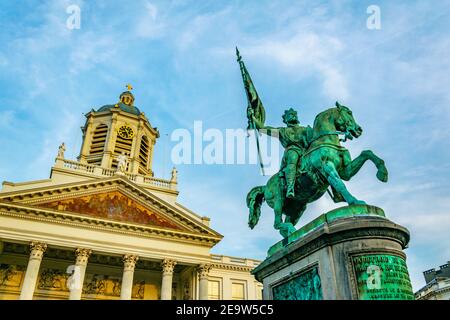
x: 345, y: 122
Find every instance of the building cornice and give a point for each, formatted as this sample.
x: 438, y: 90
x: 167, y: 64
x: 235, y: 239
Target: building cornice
x: 21, y: 211
x: 420, y: 295
x: 231, y: 267
x: 47, y: 193
x: 111, y: 112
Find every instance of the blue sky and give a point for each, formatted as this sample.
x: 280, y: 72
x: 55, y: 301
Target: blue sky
x: 179, y: 56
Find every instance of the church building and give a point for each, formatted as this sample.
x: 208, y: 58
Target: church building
x: 104, y: 227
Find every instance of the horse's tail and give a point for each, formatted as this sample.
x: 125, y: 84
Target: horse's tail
x: 255, y: 198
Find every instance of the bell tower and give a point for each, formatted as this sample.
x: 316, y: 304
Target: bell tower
x: 118, y: 129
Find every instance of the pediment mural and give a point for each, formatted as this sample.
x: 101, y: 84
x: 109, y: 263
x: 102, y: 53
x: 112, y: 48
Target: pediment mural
x: 111, y: 205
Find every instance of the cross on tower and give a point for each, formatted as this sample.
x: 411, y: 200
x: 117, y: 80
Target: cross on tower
x: 129, y: 87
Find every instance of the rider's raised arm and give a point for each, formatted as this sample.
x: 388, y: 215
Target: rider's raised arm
x: 270, y: 131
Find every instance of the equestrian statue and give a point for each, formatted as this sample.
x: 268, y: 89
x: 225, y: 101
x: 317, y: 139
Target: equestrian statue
x: 314, y: 160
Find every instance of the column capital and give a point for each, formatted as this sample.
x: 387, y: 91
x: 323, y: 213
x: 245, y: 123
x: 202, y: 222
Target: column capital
x: 129, y: 261
x: 168, y: 266
x: 82, y: 255
x: 37, y: 249
x: 203, y: 270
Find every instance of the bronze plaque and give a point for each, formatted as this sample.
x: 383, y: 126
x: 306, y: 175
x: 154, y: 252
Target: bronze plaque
x: 382, y: 277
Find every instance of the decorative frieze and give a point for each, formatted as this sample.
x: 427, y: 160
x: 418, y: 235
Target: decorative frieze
x: 53, y: 279
x: 102, y: 285
x: 11, y: 275
x: 138, y: 290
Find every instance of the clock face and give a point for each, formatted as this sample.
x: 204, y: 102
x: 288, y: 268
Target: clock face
x: 125, y: 132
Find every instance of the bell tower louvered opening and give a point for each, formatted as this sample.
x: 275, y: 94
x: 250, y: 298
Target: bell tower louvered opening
x: 144, y: 154
x: 97, y: 144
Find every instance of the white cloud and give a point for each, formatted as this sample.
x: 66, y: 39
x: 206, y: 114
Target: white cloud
x: 195, y: 29
x: 302, y: 50
x: 92, y: 50
x: 62, y: 131
x: 149, y: 24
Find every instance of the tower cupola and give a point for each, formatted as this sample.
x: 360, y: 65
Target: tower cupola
x: 119, y: 129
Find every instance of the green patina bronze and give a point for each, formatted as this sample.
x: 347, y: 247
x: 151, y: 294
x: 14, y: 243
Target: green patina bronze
x: 382, y: 277
x: 314, y: 160
x: 306, y: 286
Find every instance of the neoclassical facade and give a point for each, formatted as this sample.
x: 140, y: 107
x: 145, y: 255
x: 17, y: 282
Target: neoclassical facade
x: 437, y: 284
x: 103, y: 227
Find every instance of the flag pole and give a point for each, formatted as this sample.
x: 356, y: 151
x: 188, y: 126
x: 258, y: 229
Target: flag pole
x: 252, y: 121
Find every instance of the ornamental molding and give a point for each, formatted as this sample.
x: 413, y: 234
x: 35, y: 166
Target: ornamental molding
x: 231, y: 267
x: 36, y: 198
x: 55, y: 217
x: 59, y: 192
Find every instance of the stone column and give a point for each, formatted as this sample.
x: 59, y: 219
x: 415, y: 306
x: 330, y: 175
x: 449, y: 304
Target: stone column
x: 203, y: 271
x: 82, y: 256
x: 167, y: 275
x: 129, y: 262
x: 31, y: 275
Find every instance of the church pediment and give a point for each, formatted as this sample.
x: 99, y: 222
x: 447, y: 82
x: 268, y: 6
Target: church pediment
x: 115, y: 199
x: 112, y: 205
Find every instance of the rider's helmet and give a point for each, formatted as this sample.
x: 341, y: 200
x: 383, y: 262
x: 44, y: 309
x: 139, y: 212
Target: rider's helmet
x: 290, y: 116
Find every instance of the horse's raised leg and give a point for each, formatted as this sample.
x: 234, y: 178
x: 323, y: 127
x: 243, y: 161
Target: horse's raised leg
x: 353, y: 167
x: 331, y: 174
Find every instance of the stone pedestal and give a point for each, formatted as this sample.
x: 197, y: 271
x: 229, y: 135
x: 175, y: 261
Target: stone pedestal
x: 349, y: 253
